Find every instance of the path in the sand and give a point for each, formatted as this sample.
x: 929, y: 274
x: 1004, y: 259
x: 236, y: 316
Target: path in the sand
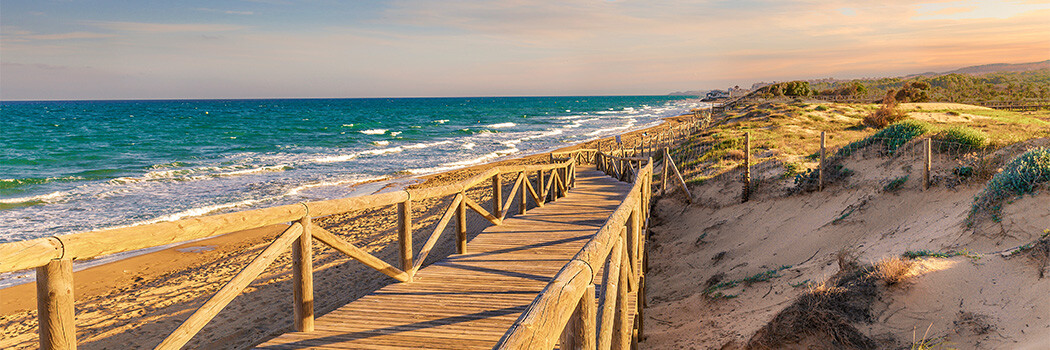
x: 468, y: 301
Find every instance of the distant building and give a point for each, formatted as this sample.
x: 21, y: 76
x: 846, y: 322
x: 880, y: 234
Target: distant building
x: 717, y: 94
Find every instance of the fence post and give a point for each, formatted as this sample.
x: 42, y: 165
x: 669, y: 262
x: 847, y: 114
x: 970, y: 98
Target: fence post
x: 522, y: 200
x: 541, y: 189
x: 404, y: 235
x: 621, y: 330
x: 497, y: 195
x: 461, y: 225
x: 747, y: 167
x: 54, y: 304
x: 928, y: 153
x: 303, y: 277
x: 581, y: 331
x: 667, y: 164
x: 820, y: 168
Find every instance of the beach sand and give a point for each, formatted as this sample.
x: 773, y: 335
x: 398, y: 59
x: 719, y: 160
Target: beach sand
x: 137, y: 301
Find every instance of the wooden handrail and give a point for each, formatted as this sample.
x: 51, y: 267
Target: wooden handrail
x: 44, y: 252
x: 541, y: 324
x: 91, y: 244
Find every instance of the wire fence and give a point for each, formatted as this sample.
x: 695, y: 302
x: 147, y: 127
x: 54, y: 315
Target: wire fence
x: 941, y: 161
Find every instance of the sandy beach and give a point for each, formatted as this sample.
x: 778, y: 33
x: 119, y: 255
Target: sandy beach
x: 135, y: 302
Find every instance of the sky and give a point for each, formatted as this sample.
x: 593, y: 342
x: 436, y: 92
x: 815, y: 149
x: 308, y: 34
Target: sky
x: 320, y: 48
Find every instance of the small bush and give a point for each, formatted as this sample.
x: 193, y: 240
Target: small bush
x: 883, y: 117
x: 896, y: 184
x: 953, y: 113
x: 734, y: 154
x: 820, y: 108
x: 894, y: 270
x: 962, y: 138
x: 963, y: 171
x: 896, y: 135
x: 888, y: 114
x: 1019, y: 177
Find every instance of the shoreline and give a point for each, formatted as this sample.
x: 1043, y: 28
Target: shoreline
x: 192, y: 264
x: 383, y: 183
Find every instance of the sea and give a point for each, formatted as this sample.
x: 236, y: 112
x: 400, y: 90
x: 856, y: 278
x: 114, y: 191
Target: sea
x: 74, y: 166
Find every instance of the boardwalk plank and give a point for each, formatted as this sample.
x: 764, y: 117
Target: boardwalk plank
x: 468, y: 301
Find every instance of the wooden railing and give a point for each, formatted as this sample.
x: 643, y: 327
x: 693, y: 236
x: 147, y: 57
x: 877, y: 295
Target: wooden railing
x: 566, y: 313
x: 52, y: 257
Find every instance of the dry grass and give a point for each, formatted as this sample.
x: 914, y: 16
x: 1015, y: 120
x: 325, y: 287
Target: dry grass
x: 826, y: 311
x: 884, y: 116
x: 894, y: 270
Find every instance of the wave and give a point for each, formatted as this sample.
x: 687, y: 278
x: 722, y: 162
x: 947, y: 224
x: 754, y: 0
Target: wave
x: 427, y: 145
x: 441, y: 121
x: 29, y: 181
x: 485, y: 158
x: 373, y: 131
x: 198, y: 211
x: 296, y: 190
x: 502, y: 125
x: 380, y: 143
x: 469, y: 145
x: 264, y: 169
x: 44, y: 198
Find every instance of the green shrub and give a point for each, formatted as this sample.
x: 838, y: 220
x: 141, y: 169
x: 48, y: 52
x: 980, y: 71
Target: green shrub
x: 1021, y: 176
x: 963, y: 171
x: 820, y: 108
x: 896, y: 135
x: 896, y: 184
x: 965, y: 139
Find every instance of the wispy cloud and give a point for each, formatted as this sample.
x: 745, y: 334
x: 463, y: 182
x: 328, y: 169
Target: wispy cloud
x: 69, y: 36
x: 144, y: 27
x: 228, y: 12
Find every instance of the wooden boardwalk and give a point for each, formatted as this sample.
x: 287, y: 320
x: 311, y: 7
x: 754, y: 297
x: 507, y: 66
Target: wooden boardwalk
x: 468, y: 301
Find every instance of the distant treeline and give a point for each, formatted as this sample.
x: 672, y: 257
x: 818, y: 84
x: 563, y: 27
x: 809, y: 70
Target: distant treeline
x: 1002, y: 86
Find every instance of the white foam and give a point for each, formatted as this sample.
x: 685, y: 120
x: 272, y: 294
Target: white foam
x: 376, y: 152
x: 334, y: 159
x: 199, y: 211
x: 373, y: 131
x: 441, y: 121
x: 380, y: 143
x: 264, y: 169
x: 469, y: 145
x: 395, y: 133
x: 43, y: 198
x: 295, y: 191
x: 426, y: 145
x: 502, y: 125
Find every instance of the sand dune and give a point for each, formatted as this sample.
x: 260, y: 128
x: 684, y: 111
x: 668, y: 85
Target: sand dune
x: 779, y: 246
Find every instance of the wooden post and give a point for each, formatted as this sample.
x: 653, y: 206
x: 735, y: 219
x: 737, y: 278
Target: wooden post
x: 580, y: 332
x: 303, y: 285
x: 928, y: 152
x: 404, y: 234
x: 747, y: 167
x: 621, y: 330
x: 541, y: 189
x: 461, y: 227
x: 497, y: 196
x: 663, y: 180
x: 522, y: 201
x: 820, y: 168
x: 54, y: 304
x: 639, y: 317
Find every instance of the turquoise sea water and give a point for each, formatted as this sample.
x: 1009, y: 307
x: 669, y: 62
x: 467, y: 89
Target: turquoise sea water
x: 71, y: 166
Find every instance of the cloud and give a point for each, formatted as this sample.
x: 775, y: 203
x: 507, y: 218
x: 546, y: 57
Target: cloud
x: 976, y: 9
x: 69, y: 36
x: 164, y: 27
x: 228, y: 12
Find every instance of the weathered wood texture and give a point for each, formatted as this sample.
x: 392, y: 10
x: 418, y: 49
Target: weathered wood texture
x: 468, y: 301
